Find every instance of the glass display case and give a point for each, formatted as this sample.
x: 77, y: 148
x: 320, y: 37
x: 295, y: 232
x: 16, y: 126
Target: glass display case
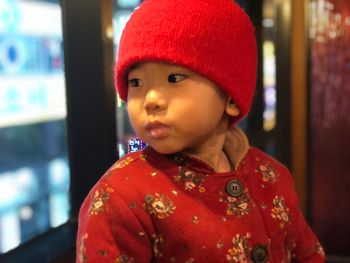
x: 34, y: 173
x: 126, y: 137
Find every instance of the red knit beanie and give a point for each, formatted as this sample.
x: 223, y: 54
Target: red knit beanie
x: 214, y: 38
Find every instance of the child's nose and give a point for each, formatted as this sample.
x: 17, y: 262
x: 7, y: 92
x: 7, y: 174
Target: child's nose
x: 154, y: 101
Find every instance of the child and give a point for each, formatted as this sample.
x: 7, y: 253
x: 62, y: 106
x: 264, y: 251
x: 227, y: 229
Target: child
x: 198, y: 192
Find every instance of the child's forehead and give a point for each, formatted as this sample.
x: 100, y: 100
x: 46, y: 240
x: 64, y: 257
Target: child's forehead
x: 156, y: 64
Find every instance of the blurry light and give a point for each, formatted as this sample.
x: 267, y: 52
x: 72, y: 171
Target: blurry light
x: 109, y: 32
x: 119, y: 102
x: 269, y: 120
x: 26, y: 213
x: 330, y: 6
x: 269, y: 64
x: 12, y: 55
x: 312, y: 34
x: 40, y: 18
x: 122, y: 22
x: 347, y: 21
x: 121, y: 150
x: 128, y: 3
x: 55, y: 48
x: 268, y: 22
x: 119, y: 21
x: 337, y: 17
x: 269, y: 80
x: 59, y: 208
x: 25, y: 178
x: 9, y: 189
x: 321, y: 5
x: 313, y: 5
x: 10, y: 236
x: 58, y: 172
x: 332, y: 34
x: 320, y: 39
x: 9, y: 15
x: 270, y: 96
x: 269, y: 114
x: 40, y: 98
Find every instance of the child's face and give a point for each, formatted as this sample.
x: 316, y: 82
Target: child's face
x: 173, y: 109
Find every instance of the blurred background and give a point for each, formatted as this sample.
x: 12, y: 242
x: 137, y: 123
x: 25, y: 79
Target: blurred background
x: 62, y: 125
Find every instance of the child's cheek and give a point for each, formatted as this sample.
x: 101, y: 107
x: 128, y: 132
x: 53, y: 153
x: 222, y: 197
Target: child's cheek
x: 132, y: 112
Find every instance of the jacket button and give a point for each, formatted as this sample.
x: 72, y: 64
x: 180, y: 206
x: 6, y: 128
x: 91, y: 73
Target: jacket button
x: 234, y: 188
x: 260, y: 254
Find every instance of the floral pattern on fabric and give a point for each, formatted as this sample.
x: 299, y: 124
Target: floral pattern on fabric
x: 190, y: 179
x: 182, y: 161
x: 170, y: 213
x: 280, y: 211
x: 132, y: 205
x: 219, y: 244
x: 159, y: 205
x: 319, y: 250
x: 122, y: 163
x: 195, y: 220
x: 269, y: 173
x: 124, y: 259
x: 240, y: 250
x: 238, y: 206
x: 82, y: 257
x: 103, y: 253
x: 143, y: 157
x: 99, y: 200
x: 157, y: 241
x: 289, y: 250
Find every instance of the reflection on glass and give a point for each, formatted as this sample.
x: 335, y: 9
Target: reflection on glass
x: 269, y: 66
x: 125, y: 132
x: 128, y: 3
x: 34, y: 175
x: 325, y: 23
x: 269, y: 80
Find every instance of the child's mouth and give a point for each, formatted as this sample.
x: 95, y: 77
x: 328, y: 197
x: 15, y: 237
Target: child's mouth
x: 157, y: 130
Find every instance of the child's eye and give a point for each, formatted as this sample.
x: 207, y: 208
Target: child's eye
x: 135, y: 83
x: 173, y: 78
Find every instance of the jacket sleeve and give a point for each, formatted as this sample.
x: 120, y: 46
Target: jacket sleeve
x: 305, y: 246
x: 109, y: 231
x: 308, y: 249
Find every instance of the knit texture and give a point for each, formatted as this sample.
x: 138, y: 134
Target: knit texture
x: 214, y: 38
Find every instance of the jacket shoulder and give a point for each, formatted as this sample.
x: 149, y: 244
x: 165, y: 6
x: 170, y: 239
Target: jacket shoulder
x: 260, y: 157
x: 120, y: 178
x: 129, y: 166
x: 274, y: 173
x: 128, y: 159
x: 272, y: 170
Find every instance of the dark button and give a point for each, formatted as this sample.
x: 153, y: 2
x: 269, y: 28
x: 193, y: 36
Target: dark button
x: 234, y: 188
x: 260, y: 254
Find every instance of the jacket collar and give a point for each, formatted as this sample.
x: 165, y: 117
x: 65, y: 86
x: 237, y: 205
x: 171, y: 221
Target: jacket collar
x: 236, y: 147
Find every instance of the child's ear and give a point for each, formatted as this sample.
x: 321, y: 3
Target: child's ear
x: 231, y: 108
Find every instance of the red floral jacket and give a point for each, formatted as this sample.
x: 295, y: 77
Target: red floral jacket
x: 150, y: 207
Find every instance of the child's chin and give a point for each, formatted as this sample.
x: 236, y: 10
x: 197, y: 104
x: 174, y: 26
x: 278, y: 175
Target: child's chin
x: 165, y: 149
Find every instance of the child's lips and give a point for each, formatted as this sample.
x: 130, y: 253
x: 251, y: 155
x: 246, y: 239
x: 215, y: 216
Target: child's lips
x: 157, y: 130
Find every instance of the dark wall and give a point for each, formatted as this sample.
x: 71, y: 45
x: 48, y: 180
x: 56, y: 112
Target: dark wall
x: 330, y: 130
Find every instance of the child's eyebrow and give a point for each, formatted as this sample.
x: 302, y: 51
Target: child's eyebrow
x: 133, y: 67
x: 173, y: 67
